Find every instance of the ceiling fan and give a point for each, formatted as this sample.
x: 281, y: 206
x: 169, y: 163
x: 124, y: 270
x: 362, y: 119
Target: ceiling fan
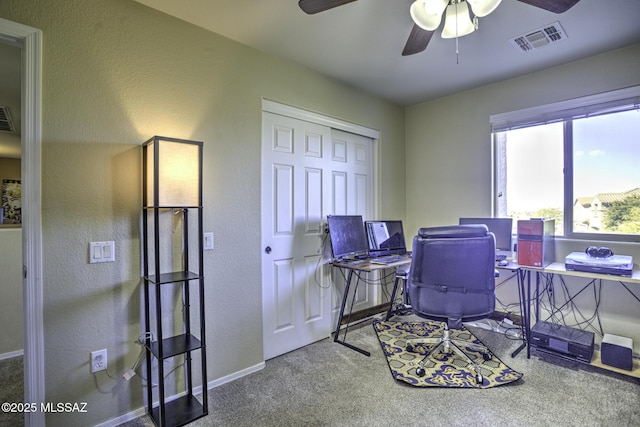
x: 427, y: 15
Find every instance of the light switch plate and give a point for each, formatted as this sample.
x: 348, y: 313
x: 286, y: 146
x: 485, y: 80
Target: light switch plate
x: 102, y: 252
x: 208, y: 241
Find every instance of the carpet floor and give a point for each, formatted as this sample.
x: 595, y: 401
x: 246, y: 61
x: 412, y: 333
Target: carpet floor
x: 11, y: 390
x: 327, y: 384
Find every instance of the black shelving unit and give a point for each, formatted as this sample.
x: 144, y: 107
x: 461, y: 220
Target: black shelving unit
x: 173, y: 264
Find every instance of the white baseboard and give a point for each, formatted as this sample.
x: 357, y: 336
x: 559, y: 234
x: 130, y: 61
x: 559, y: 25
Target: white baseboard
x: 196, y: 390
x: 11, y: 354
x: 123, y: 418
x: 236, y: 375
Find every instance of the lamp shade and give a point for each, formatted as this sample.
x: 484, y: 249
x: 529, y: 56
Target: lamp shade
x: 482, y: 8
x: 173, y: 169
x: 457, y: 21
x: 427, y: 14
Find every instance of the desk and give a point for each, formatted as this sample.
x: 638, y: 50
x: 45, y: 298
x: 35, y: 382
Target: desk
x: 557, y: 268
x: 365, y: 266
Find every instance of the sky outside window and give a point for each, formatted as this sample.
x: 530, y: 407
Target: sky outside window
x: 534, y: 170
x: 606, y: 154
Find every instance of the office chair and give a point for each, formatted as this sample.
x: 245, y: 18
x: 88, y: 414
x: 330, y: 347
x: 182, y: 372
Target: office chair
x: 452, y: 279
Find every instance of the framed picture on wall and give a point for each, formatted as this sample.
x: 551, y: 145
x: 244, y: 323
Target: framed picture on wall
x: 11, y: 201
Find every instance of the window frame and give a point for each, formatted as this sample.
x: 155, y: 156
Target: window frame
x: 564, y: 111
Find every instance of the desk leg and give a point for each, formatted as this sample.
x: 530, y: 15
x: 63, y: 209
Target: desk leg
x: 528, y: 304
x: 537, y: 296
x: 524, y: 313
x: 393, y: 298
x: 336, y: 334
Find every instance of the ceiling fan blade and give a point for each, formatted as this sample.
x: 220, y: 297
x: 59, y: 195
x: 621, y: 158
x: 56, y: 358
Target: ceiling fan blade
x: 418, y: 41
x: 314, y: 6
x: 555, y: 6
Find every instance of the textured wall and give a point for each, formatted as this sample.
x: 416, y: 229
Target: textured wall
x: 115, y: 74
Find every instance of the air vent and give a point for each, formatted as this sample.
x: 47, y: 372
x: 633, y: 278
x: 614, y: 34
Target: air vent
x: 536, y: 39
x: 6, y: 124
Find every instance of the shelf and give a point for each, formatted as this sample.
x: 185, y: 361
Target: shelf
x: 175, y: 345
x: 596, y: 361
x: 174, y: 277
x: 180, y: 411
x: 172, y: 240
x: 171, y: 207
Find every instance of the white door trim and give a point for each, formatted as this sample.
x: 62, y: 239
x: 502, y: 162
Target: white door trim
x: 321, y: 119
x: 30, y: 40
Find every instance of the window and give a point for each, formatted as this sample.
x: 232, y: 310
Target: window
x: 531, y: 185
x: 577, y: 162
x: 606, y: 174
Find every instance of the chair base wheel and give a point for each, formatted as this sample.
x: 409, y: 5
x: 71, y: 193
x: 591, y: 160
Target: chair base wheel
x: 409, y: 348
x: 479, y: 379
x: 420, y: 372
x: 487, y: 356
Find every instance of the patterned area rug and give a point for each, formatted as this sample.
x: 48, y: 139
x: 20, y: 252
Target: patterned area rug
x: 448, y: 370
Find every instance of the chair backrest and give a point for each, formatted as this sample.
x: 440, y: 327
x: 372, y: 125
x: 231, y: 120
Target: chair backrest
x: 452, y: 274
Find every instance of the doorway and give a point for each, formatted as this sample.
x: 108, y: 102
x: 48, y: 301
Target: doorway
x: 11, y: 305
x: 30, y: 41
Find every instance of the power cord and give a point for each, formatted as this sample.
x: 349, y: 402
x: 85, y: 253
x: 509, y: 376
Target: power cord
x: 320, y: 263
x: 142, y: 339
x: 559, y: 311
x: 131, y: 372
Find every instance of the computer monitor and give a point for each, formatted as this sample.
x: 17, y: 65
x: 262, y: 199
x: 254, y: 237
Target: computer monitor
x: 347, y: 236
x: 385, y: 237
x: 500, y: 227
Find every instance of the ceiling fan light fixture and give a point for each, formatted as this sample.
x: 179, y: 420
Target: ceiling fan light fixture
x: 435, y: 7
x: 482, y: 8
x: 457, y: 21
x: 427, y: 14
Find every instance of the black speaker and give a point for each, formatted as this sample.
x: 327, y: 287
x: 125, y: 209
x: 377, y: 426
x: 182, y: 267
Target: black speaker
x: 596, y: 252
x: 617, y: 351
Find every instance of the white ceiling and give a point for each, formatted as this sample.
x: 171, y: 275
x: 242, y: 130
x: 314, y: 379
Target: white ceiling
x: 360, y: 43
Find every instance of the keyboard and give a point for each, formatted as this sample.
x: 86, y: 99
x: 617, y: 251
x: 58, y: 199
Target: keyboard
x: 389, y: 259
x: 500, y: 257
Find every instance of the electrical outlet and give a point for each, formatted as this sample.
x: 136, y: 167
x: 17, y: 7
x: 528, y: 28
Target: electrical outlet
x: 98, y: 360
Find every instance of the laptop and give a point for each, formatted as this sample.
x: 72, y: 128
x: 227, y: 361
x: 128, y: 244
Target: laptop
x: 386, y: 239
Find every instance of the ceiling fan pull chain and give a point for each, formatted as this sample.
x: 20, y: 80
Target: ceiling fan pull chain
x: 457, y: 52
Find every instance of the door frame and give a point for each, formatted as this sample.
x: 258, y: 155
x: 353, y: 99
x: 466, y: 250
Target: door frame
x: 30, y: 40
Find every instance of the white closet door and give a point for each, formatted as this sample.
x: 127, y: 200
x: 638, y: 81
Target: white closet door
x: 308, y: 172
